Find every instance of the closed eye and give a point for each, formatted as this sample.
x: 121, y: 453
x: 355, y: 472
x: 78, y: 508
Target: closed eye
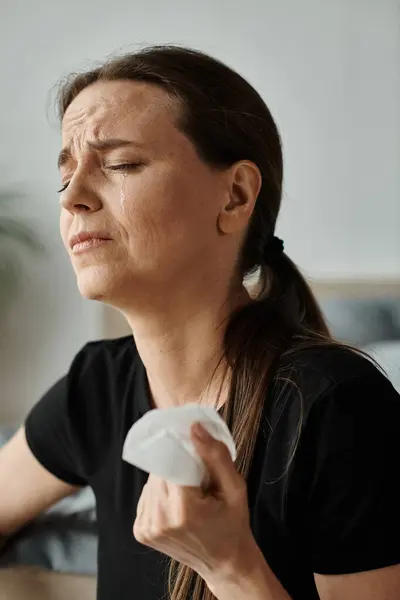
x: 121, y: 167
x: 124, y: 166
x: 64, y: 187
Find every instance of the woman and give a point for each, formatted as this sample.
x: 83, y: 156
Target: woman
x: 171, y: 174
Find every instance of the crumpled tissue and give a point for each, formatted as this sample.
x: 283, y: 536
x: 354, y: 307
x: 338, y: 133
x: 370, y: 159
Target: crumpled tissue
x: 160, y: 443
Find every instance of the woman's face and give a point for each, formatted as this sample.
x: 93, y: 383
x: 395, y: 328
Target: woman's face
x: 136, y: 180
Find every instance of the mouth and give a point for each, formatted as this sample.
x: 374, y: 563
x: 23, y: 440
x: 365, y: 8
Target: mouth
x: 85, y: 241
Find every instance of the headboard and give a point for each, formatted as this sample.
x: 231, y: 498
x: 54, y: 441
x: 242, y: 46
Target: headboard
x: 363, y: 288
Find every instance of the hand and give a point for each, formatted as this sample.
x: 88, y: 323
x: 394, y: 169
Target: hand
x: 206, y: 529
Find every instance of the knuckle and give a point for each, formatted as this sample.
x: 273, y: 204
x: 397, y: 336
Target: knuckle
x: 157, y: 531
x: 150, y: 533
x: 139, y: 533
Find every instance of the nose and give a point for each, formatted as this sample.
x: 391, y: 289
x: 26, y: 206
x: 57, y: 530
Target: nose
x: 80, y: 197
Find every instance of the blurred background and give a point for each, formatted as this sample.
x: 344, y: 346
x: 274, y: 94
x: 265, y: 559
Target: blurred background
x: 330, y: 72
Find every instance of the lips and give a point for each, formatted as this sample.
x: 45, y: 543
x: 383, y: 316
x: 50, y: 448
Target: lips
x: 87, y: 239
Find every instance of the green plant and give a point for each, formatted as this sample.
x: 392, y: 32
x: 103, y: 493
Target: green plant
x: 16, y: 238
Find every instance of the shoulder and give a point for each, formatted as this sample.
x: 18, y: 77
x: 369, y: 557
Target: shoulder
x: 101, y: 389
x: 330, y: 411
x: 99, y: 377
x: 109, y: 353
x: 327, y: 393
x: 331, y: 363
x: 326, y: 372
x: 340, y: 380
x: 99, y: 363
x: 72, y: 426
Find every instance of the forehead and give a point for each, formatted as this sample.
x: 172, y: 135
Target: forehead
x: 115, y: 107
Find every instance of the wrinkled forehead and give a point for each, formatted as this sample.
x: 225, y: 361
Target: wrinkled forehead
x: 115, y: 108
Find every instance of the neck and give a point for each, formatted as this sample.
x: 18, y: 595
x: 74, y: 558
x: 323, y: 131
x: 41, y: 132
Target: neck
x: 181, y: 345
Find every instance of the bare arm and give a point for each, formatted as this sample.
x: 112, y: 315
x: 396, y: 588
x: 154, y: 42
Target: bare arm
x: 26, y: 488
x: 379, y: 584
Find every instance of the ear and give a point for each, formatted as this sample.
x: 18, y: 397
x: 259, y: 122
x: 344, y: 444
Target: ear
x: 244, y: 180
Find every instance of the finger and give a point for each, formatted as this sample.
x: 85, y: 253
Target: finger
x: 218, y: 461
x: 158, y: 485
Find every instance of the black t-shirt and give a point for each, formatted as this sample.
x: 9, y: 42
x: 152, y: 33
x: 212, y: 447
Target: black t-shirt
x: 334, y: 510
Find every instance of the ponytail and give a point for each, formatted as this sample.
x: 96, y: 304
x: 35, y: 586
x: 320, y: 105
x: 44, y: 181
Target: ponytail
x: 283, y: 316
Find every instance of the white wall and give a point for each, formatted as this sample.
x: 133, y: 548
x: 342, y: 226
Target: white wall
x: 329, y: 71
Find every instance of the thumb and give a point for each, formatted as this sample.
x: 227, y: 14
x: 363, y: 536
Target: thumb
x: 218, y: 461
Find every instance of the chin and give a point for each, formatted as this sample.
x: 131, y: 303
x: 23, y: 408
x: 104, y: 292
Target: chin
x: 110, y: 285
x: 119, y: 287
x: 97, y: 283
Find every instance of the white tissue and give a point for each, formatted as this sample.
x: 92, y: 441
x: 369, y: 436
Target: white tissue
x: 160, y: 442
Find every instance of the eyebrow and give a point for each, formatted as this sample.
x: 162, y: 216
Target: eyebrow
x: 99, y: 145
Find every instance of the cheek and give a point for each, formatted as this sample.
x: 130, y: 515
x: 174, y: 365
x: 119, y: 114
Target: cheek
x: 149, y: 207
x: 165, y: 210
x: 143, y: 226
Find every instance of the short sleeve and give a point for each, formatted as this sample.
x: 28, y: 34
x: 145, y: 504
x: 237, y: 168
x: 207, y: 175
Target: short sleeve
x: 49, y: 434
x: 353, y: 444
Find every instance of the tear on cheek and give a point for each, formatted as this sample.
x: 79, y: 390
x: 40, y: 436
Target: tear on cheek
x: 122, y: 193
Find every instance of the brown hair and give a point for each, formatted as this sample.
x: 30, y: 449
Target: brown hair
x: 227, y: 121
